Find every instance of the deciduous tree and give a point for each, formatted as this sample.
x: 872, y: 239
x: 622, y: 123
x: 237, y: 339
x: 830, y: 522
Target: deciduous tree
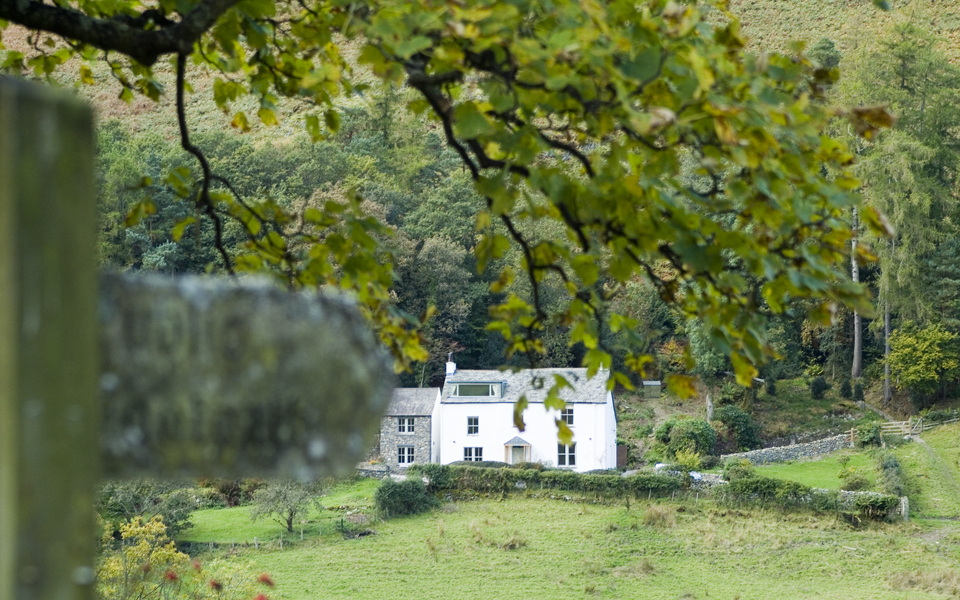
x: 574, y: 120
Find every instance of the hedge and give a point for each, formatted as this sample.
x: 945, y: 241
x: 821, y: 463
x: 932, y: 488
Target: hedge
x: 790, y: 494
x: 475, y: 479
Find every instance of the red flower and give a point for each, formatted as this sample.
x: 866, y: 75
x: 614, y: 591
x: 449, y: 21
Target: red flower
x: 265, y: 579
x: 261, y: 597
x: 197, y: 566
x: 170, y: 575
x: 216, y: 585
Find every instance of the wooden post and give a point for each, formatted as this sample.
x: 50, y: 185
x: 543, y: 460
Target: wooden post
x: 48, y: 344
x: 198, y: 376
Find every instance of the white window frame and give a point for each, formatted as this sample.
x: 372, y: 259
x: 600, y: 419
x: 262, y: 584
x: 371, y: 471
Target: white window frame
x: 405, y: 425
x: 567, y: 455
x: 473, y: 454
x: 405, y: 455
x: 475, y: 426
x: 566, y: 415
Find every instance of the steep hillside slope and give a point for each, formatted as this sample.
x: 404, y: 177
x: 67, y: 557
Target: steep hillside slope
x: 850, y: 24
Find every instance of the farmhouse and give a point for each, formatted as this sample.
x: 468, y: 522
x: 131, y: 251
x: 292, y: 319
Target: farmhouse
x: 474, y: 420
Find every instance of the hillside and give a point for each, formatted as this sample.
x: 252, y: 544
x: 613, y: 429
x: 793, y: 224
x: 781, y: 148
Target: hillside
x: 850, y: 24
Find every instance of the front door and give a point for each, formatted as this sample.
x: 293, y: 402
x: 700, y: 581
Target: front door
x: 516, y: 455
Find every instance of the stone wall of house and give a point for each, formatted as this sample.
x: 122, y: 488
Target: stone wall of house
x: 794, y: 451
x: 391, y: 438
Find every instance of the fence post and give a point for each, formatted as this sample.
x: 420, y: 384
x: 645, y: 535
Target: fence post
x: 49, y: 409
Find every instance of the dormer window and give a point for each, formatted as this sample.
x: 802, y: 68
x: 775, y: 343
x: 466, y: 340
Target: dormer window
x: 476, y: 389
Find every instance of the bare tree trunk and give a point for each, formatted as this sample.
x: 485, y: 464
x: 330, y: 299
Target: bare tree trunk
x: 887, y: 393
x: 857, y: 334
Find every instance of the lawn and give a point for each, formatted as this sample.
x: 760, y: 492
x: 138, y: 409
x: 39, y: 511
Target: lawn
x: 821, y: 473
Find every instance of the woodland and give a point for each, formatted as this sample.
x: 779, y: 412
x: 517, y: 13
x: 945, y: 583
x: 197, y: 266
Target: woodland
x: 644, y: 189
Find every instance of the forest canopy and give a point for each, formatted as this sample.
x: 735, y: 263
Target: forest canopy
x: 616, y: 154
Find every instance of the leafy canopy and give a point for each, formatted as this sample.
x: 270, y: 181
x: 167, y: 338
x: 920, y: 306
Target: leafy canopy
x: 611, y: 142
x: 922, y: 359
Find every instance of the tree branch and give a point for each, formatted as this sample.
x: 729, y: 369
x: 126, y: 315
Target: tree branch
x: 204, y: 201
x: 121, y: 34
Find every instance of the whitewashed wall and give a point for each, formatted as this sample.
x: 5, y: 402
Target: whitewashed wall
x: 594, y: 431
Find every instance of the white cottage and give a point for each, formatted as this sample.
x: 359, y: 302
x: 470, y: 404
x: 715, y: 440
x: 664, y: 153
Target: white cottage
x: 475, y: 419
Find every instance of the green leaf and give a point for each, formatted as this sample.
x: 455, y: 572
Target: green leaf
x: 139, y: 211
x: 179, y: 228
x: 683, y: 386
x: 518, y: 408
x: 332, y: 119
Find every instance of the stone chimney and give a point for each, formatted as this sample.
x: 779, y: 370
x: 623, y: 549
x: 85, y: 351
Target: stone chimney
x: 451, y: 366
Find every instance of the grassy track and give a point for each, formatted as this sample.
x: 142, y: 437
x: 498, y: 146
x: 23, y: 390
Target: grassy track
x: 933, y: 472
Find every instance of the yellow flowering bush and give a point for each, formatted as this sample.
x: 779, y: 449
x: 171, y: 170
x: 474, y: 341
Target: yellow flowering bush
x: 145, y: 564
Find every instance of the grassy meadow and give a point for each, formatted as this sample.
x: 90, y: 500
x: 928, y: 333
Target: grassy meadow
x: 541, y: 547
x: 556, y: 545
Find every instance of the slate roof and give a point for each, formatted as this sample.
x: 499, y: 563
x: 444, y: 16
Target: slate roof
x: 412, y: 402
x: 515, y: 384
x: 517, y: 441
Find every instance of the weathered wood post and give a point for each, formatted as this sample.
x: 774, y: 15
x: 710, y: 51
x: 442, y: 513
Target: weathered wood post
x: 49, y: 412
x: 198, y: 376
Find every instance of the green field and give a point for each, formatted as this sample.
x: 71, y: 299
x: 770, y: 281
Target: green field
x: 557, y: 545
x: 548, y: 548
x: 227, y: 525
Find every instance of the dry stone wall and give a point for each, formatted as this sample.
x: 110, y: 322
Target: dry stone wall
x: 794, y: 451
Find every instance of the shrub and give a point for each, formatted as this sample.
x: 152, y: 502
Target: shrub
x: 731, y: 393
x: 484, y: 464
x: 937, y: 416
x: 687, y: 460
x: 481, y: 480
x: 738, y: 469
x: 745, y: 429
x: 876, y: 506
x: 530, y: 466
x: 770, y: 386
x: 868, y: 434
x: 853, y: 480
x: 845, y: 390
x: 397, y: 498
x: 858, y: 392
x: 892, y: 474
x: 709, y: 461
x: 695, y: 435
x: 438, y: 476
x: 818, y: 387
